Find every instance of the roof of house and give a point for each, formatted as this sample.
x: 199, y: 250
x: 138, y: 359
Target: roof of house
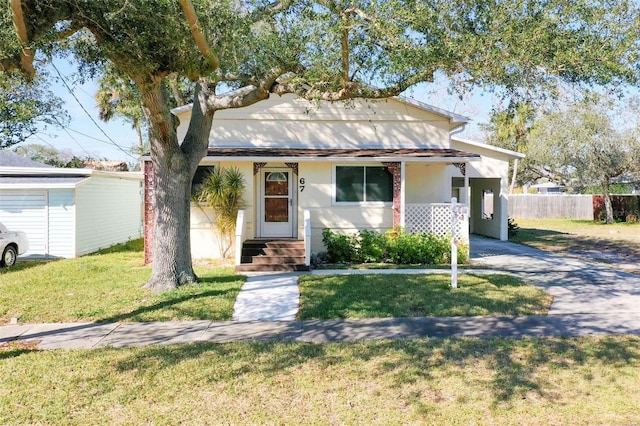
x: 17, y: 172
x: 40, y: 181
x: 476, y: 144
x: 384, y: 154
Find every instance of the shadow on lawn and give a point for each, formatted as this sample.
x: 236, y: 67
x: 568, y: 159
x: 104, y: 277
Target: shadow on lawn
x: 511, y: 369
x: 176, y: 301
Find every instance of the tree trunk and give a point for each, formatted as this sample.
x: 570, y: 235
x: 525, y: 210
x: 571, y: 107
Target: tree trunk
x: 607, y: 201
x: 513, y: 176
x: 171, y: 237
x: 174, y: 167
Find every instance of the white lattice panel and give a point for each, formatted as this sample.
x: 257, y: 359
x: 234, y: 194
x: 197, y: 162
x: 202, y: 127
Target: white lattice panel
x: 435, y: 218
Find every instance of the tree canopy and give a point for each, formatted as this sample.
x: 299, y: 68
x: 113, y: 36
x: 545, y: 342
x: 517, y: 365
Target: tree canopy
x: 238, y: 52
x: 587, y: 145
x: 24, y: 108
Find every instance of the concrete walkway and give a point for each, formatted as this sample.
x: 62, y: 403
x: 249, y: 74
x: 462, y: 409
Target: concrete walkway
x: 589, y: 300
x: 268, y: 297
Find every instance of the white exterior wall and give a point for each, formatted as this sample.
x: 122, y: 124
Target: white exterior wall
x: 109, y: 211
x: 62, y: 236
x: 206, y: 241
x: 491, y: 173
x: 317, y: 197
x: 427, y: 183
x: 288, y: 121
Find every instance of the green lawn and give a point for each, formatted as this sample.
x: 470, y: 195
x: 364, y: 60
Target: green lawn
x: 562, y: 234
x: 375, y: 296
x: 573, y: 381
x: 107, y: 287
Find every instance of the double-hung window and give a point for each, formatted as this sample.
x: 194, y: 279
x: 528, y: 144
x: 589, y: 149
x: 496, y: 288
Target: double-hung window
x: 363, y: 184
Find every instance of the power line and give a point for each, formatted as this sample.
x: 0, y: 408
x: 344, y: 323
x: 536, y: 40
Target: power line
x: 110, y: 141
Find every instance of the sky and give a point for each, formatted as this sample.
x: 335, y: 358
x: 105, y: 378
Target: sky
x: 87, y: 136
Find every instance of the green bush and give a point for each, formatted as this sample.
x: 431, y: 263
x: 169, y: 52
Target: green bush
x: 372, y: 247
x: 340, y: 247
x: 395, y: 246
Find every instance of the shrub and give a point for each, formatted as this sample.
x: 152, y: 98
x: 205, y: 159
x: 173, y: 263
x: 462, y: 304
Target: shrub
x: 396, y: 246
x: 340, y: 247
x: 512, y: 228
x: 372, y: 247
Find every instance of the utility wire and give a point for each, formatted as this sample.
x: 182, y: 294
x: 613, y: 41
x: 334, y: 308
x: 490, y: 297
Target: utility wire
x: 111, y: 141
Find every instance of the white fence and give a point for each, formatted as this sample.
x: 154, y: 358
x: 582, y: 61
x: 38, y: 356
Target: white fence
x: 435, y: 218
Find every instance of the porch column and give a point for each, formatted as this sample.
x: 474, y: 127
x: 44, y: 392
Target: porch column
x: 462, y: 167
x: 397, y: 171
x: 465, y: 200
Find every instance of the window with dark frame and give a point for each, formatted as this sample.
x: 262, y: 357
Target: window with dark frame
x: 363, y: 184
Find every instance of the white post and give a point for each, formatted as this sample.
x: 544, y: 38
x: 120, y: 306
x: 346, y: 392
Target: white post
x: 239, y: 236
x: 454, y: 248
x: 307, y: 237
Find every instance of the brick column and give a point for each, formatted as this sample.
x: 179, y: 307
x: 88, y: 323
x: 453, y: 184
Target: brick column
x: 396, y: 171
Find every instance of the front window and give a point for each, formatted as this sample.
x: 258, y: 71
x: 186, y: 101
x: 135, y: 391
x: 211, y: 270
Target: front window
x: 363, y: 184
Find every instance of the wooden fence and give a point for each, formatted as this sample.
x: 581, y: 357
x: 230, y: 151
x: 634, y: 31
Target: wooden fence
x: 541, y: 206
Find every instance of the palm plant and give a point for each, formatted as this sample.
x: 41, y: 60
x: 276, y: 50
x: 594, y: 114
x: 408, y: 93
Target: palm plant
x: 223, y: 191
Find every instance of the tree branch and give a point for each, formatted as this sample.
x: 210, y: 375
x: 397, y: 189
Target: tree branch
x: 345, y: 49
x: 351, y: 90
x: 213, y: 62
x: 26, y: 56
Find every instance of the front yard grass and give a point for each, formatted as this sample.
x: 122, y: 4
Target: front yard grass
x: 617, y: 244
x: 379, y: 296
x: 107, y: 287
x: 559, y: 381
x: 563, y: 234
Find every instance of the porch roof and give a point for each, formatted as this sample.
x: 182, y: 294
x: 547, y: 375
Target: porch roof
x: 329, y: 154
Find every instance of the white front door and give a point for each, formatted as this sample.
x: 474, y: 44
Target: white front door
x: 276, y: 203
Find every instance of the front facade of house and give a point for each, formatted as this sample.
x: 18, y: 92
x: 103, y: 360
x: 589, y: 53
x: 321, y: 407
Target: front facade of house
x: 70, y: 212
x: 363, y: 165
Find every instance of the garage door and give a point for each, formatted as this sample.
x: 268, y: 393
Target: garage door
x: 27, y: 211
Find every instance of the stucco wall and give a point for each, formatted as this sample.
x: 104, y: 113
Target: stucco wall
x: 291, y: 122
x: 427, y: 183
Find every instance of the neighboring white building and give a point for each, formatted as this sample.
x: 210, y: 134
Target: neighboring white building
x: 366, y: 165
x: 69, y: 212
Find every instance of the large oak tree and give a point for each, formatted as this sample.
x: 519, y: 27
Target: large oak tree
x: 239, y: 52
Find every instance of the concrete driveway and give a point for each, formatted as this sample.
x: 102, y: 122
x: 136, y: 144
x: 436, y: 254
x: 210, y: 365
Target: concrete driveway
x: 579, y: 287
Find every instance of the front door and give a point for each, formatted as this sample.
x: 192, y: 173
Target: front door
x: 276, y: 203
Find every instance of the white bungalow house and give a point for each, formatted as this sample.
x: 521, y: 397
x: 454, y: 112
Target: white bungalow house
x: 68, y: 212
x: 369, y: 164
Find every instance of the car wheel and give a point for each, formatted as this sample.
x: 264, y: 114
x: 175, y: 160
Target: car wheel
x: 9, y: 256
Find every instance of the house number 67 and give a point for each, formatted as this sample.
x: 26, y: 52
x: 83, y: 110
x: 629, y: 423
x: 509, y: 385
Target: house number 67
x: 301, y: 182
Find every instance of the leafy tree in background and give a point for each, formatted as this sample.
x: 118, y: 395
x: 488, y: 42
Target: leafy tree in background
x: 24, y: 108
x: 44, y: 154
x: 54, y: 157
x: 509, y: 129
x: 585, y: 146
x: 321, y: 50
